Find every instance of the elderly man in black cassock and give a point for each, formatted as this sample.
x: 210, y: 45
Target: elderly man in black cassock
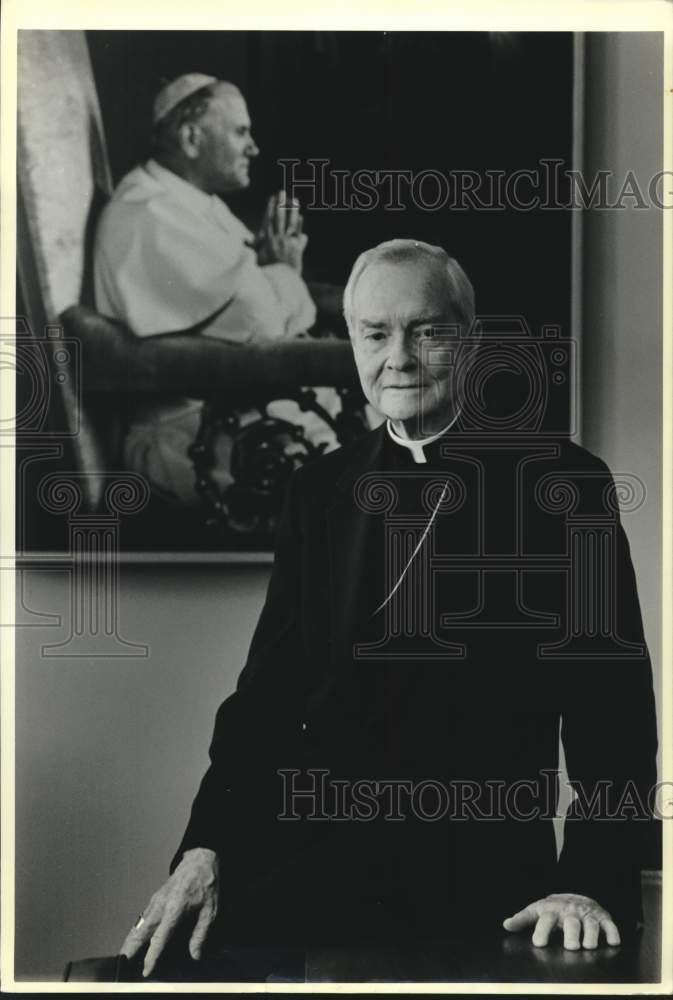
x: 449, y: 594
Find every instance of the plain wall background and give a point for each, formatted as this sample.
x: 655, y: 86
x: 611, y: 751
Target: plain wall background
x: 109, y: 752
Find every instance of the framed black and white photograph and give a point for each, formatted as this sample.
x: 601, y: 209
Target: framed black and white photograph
x: 209, y: 433
x: 336, y: 416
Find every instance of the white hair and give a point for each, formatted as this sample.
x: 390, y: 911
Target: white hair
x: 461, y: 293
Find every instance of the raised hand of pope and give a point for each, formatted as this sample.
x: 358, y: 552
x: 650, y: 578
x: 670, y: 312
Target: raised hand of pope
x: 190, y: 892
x: 569, y: 912
x: 281, y: 238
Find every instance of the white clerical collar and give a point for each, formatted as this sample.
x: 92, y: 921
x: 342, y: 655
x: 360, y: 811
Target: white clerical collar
x: 416, y: 447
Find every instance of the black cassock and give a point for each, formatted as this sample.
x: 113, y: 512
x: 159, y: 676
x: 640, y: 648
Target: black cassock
x: 517, y: 619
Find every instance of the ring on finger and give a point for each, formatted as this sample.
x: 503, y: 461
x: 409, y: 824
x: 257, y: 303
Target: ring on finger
x: 139, y: 922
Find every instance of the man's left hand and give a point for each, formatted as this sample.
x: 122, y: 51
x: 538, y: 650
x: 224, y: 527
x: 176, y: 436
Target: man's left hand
x: 571, y: 913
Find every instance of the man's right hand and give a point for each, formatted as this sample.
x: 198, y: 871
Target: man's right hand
x: 192, y: 890
x: 281, y: 239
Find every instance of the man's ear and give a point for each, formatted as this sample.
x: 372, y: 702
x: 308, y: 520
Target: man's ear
x: 190, y: 136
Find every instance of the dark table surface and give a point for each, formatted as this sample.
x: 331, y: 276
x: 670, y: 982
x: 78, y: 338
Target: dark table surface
x: 495, y: 958
x: 506, y: 958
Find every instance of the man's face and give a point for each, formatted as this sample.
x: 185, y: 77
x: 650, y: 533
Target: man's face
x: 395, y: 306
x: 227, y: 145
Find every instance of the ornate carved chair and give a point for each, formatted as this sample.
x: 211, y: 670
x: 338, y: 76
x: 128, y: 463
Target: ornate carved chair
x: 117, y: 364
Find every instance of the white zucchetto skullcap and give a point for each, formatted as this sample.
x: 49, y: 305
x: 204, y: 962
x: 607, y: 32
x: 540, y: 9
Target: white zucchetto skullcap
x: 176, y: 91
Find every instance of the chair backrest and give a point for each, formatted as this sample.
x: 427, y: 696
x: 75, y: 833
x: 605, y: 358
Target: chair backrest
x: 63, y: 181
